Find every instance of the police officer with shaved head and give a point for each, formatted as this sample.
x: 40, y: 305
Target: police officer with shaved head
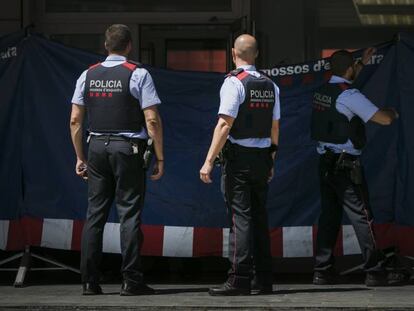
x: 121, y: 102
x: 339, y: 113
x: 246, y: 135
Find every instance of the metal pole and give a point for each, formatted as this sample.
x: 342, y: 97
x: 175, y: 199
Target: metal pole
x: 24, y: 268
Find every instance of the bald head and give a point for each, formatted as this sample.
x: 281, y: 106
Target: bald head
x: 245, y: 48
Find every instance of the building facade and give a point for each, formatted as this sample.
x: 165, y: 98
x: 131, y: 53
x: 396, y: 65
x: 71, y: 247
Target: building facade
x: 198, y: 35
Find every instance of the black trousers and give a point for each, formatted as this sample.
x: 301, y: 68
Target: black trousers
x: 245, y: 185
x: 339, y: 193
x: 114, y: 173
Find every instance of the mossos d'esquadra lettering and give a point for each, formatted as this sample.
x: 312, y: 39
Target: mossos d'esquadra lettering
x: 9, y: 53
x: 106, y: 83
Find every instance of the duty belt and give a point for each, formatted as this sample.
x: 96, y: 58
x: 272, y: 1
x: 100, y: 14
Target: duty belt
x: 108, y: 137
x: 230, y: 151
x: 239, y: 148
x: 344, y: 162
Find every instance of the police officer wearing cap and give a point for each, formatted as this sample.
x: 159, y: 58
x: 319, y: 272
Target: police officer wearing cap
x: 247, y: 135
x: 339, y: 113
x: 121, y: 103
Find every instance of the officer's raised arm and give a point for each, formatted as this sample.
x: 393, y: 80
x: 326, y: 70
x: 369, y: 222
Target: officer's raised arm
x: 385, y: 116
x: 365, y: 59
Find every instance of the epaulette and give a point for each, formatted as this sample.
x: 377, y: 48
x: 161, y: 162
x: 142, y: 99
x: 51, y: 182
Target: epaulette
x: 138, y: 64
x: 94, y: 66
x: 131, y: 65
x: 235, y: 72
x: 239, y: 73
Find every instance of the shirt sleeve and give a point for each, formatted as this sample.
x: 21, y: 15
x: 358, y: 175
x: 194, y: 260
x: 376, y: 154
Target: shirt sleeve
x: 276, y: 108
x: 231, y: 96
x: 142, y: 88
x: 79, y: 90
x: 358, y: 104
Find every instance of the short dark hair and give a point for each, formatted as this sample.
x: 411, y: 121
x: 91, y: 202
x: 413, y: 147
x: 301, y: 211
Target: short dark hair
x: 340, y: 62
x: 117, y: 37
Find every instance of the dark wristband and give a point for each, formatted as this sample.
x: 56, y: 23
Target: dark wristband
x: 273, y: 148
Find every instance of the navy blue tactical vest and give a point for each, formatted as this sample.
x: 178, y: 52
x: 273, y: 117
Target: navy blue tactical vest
x: 330, y: 126
x: 255, y: 116
x: 111, y: 107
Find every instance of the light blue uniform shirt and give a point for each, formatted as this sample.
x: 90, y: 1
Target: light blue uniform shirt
x: 232, y: 95
x: 141, y: 87
x: 350, y: 103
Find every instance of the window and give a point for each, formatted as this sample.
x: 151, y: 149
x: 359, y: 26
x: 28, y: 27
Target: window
x: 63, y: 6
x: 197, y: 55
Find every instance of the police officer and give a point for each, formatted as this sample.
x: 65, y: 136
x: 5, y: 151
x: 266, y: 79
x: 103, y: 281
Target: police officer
x: 121, y: 101
x: 338, y: 117
x: 247, y: 131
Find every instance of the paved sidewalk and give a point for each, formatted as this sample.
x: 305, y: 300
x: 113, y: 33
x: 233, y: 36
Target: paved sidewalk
x: 195, y: 297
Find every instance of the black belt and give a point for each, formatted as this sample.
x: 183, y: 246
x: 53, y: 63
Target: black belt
x: 239, y: 148
x: 341, y: 160
x: 108, y: 137
x: 345, y: 156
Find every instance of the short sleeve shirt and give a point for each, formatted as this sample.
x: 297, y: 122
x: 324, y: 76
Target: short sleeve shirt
x: 350, y: 103
x: 232, y: 95
x: 141, y: 87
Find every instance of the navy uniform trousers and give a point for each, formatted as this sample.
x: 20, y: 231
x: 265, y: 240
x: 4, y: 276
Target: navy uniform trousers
x: 339, y: 193
x: 115, y: 173
x: 245, y: 186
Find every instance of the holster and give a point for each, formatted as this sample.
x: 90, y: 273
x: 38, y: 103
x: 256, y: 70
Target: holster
x: 148, y: 154
x: 344, y: 162
x: 354, y: 168
x: 356, y: 174
x: 226, y: 154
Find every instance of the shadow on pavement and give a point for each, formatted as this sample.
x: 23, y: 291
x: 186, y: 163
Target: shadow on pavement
x: 170, y: 291
x: 318, y: 290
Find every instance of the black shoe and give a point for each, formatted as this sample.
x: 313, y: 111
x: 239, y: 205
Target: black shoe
x: 398, y: 278
x: 90, y: 289
x: 258, y: 288
x: 323, y: 278
x: 228, y: 290
x: 135, y: 289
x: 376, y: 279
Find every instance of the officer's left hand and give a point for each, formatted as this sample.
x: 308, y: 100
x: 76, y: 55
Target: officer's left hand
x: 367, y: 54
x: 158, y: 170
x: 205, y: 172
x: 81, y: 169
